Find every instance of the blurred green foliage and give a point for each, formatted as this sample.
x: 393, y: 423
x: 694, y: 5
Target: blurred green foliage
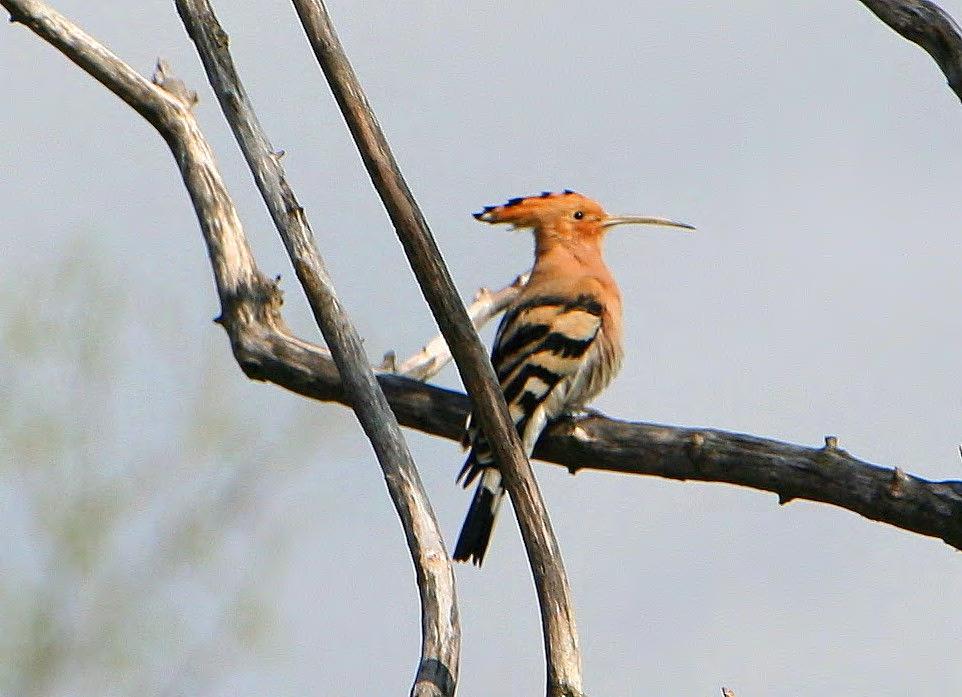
x: 132, y: 474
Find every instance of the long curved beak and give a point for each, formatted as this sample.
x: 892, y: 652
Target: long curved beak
x: 613, y: 220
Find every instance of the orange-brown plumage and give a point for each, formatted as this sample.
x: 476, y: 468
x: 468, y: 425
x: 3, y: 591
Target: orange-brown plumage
x: 559, y: 343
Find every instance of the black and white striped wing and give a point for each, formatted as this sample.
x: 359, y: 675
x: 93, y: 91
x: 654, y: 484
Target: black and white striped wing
x: 540, y: 353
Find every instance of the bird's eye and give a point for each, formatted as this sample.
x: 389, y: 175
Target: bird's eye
x: 578, y: 215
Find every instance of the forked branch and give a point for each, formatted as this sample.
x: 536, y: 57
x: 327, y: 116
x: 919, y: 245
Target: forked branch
x: 266, y: 350
x: 250, y: 304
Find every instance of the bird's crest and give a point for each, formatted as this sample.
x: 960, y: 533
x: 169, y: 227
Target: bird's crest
x: 534, y: 211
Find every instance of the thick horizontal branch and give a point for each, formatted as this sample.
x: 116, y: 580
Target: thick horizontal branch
x: 827, y: 474
x: 928, y: 25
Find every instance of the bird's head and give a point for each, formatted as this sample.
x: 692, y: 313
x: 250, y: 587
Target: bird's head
x: 566, y: 215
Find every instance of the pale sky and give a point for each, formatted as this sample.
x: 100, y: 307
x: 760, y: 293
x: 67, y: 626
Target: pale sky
x: 816, y: 151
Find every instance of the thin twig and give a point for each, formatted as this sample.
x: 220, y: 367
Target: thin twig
x: 928, y: 25
x: 563, y: 656
x: 429, y: 361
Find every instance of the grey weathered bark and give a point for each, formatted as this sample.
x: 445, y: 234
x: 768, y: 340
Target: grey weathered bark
x: 928, y: 25
x: 249, y: 300
x: 440, y: 627
x: 562, y: 653
x: 826, y: 475
x: 935, y: 508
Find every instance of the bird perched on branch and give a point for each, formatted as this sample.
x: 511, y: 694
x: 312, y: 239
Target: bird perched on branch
x: 559, y: 343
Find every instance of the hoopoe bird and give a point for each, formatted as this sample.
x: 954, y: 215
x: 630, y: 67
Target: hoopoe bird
x: 559, y: 343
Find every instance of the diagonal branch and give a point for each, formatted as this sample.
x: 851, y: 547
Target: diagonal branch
x: 928, y: 25
x: 250, y: 309
x: 440, y: 626
x: 266, y: 350
x: 562, y: 653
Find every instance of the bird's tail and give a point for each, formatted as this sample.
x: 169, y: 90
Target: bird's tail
x: 479, y: 523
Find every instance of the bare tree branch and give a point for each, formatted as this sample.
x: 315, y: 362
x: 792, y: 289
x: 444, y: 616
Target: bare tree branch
x: 562, y: 653
x: 248, y: 299
x: 440, y: 627
x: 266, y: 349
x: 928, y: 25
x: 826, y: 475
x: 429, y: 361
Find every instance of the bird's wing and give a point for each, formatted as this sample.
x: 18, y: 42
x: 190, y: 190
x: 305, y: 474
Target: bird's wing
x: 540, y: 354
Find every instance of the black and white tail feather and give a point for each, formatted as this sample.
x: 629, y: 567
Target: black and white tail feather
x: 548, y: 360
